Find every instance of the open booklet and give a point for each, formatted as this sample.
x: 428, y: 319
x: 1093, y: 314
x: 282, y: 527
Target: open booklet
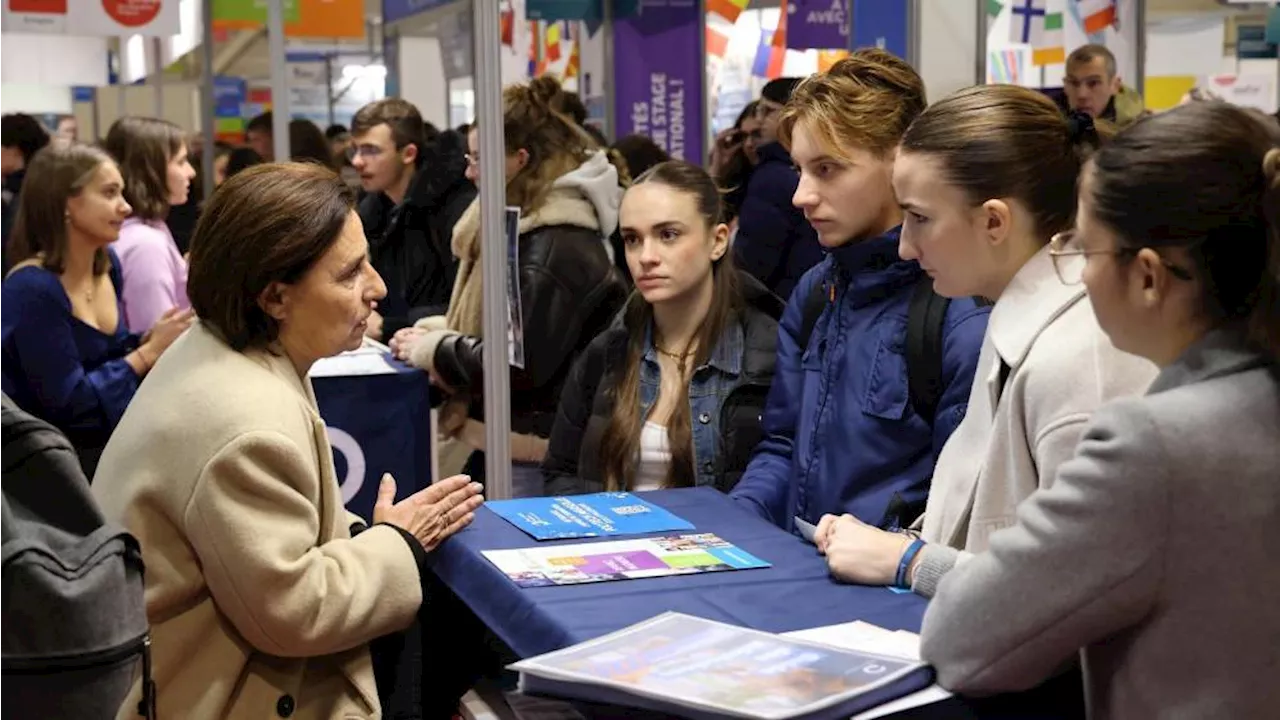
x: 698, y: 668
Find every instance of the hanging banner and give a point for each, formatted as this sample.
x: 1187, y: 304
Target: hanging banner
x: 229, y: 97
x: 93, y: 18
x: 659, y: 94
x: 302, y: 18
x: 818, y: 24
x: 35, y: 16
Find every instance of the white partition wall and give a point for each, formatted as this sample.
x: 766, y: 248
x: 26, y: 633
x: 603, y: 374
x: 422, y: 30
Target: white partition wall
x: 948, y: 47
x: 422, y: 78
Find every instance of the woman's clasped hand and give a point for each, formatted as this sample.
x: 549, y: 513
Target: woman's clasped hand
x: 860, y: 553
x: 432, y: 514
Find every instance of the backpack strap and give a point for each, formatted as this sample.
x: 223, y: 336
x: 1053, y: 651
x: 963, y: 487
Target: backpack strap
x: 926, y: 317
x: 814, y: 303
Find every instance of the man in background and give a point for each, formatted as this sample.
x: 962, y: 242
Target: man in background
x: 774, y: 242
x: 415, y: 192
x: 1093, y: 86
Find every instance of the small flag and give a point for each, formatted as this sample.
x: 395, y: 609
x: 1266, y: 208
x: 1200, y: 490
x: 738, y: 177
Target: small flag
x: 760, y: 67
x: 1097, y: 15
x: 994, y: 7
x: 533, y: 48
x: 828, y: 58
x: 575, y: 62
x: 508, y: 22
x: 1027, y: 15
x: 717, y: 42
x: 1049, y: 48
x: 778, y: 52
x: 553, y: 41
x: 727, y: 9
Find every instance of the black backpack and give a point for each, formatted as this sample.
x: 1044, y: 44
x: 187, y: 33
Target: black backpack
x: 75, y: 621
x: 926, y: 319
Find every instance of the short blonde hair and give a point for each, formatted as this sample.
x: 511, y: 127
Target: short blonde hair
x: 866, y: 101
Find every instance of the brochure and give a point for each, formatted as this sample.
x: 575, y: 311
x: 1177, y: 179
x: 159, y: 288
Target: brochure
x: 692, y: 667
x: 584, y: 516
x: 621, y: 560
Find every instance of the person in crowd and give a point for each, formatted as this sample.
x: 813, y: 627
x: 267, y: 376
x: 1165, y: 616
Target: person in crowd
x: 850, y: 425
x: 67, y: 129
x: 987, y: 176
x: 734, y: 156
x: 568, y: 195
x: 21, y: 137
x: 774, y: 241
x: 340, y: 145
x: 259, y: 133
x: 222, y: 471
x: 242, y: 158
x: 671, y: 394
x: 68, y: 356
x: 308, y: 144
x: 339, y: 138
x: 152, y: 156
x: 416, y: 192
x: 1151, y: 546
x: 640, y: 153
x: 1093, y: 86
x: 182, y: 218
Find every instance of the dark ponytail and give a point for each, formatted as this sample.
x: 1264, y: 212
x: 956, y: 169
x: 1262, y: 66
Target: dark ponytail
x: 1206, y: 177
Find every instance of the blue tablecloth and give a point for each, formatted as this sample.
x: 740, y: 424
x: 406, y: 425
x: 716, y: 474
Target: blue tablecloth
x: 377, y: 424
x: 795, y: 594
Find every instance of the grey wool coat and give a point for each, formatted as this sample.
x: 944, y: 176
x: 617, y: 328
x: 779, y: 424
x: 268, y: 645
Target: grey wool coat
x: 1154, y: 554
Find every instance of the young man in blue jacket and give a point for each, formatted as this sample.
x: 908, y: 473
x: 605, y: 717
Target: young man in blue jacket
x: 851, y: 425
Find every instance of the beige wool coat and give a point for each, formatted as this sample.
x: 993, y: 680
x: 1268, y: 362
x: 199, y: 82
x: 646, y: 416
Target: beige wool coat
x: 1044, y: 368
x: 261, y: 604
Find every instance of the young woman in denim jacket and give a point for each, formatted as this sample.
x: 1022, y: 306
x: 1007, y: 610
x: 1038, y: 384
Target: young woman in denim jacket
x: 671, y: 394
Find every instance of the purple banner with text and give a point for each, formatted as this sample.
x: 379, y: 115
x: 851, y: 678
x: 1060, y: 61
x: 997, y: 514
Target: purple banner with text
x: 658, y: 76
x: 818, y: 24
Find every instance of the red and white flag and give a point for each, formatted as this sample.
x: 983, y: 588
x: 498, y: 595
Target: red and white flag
x: 1097, y: 15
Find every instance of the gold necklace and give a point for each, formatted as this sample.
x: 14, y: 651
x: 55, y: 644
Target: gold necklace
x: 680, y: 358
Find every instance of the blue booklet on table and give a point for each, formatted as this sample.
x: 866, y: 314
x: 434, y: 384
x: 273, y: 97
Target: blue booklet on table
x: 584, y: 516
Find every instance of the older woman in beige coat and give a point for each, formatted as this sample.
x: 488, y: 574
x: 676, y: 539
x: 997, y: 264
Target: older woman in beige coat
x: 262, y: 603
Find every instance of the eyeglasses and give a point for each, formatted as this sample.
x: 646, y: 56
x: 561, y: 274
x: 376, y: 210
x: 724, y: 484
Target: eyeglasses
x: 1065, y: 247
x: 369, y: 151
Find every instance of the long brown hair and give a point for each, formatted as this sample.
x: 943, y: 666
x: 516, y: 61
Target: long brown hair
x: 620, y: 444
x: 56, y: 174
x: 143, y: 147
x: 1206, y: 177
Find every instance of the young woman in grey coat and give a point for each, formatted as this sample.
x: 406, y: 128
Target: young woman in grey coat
x: 1154, y: 550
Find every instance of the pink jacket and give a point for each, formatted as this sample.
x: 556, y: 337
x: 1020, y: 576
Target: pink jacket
x: 155, y: 275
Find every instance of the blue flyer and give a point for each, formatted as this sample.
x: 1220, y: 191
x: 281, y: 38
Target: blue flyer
x: 584, y: 516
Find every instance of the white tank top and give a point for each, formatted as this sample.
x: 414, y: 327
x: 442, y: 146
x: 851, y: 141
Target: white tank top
x: 655, y: 458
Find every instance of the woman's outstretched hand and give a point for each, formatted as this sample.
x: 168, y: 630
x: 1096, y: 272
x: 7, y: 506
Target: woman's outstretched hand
x: 432, y: 514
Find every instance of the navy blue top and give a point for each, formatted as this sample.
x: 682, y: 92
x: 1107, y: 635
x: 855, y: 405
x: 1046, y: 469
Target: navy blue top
x: 841, y: 434
x: 774, y: 242
x: 57, y: 367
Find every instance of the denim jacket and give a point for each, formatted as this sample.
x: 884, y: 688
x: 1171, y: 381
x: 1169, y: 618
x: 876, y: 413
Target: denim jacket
x: 726, y: 400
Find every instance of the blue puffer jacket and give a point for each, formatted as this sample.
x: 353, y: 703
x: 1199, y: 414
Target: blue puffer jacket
x: 841, y: 435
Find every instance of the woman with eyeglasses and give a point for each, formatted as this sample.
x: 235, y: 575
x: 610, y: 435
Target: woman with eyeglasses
x: 1155, y: 549
x: 985, y: 178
